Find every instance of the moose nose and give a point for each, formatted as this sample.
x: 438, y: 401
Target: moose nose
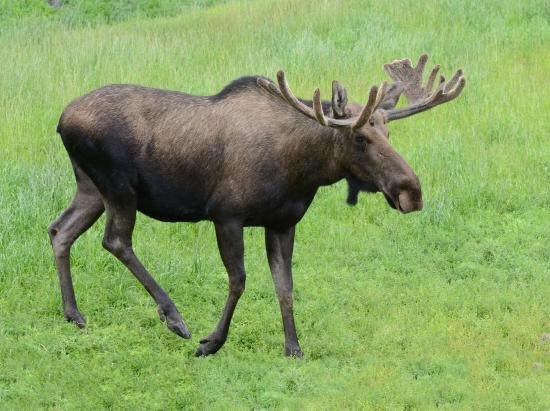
x: 410, y: 201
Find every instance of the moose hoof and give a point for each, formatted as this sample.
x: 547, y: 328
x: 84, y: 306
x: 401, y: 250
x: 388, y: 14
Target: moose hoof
x: 179, y: 328
x: 208, y: 345
x: 174, y: 322
x: 294, y: 352
x: 75, y: 317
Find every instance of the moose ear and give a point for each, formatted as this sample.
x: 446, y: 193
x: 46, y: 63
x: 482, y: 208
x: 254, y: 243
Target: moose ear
x: 339, y: 100
x: 392, y: 96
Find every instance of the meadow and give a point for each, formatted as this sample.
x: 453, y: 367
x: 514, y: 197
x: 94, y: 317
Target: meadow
x: 445, y: 308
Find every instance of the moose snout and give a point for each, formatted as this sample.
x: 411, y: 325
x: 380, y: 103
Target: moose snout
x: 407, y: 195
x: 410, y: 201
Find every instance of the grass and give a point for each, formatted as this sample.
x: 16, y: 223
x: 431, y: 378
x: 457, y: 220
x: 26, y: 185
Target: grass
x: 92, y: 12
x: 443, y: 308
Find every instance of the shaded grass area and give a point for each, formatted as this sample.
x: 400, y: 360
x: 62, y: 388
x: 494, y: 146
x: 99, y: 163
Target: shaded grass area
x: 95, y: 12
x: 443, y: 308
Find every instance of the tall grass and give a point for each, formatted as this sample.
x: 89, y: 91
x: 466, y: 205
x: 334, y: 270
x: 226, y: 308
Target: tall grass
x: 443, y: 308
x: 93, y: 12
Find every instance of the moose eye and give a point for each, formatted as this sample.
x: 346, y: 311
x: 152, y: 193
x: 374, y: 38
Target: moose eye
x: 371, y: 122
x: 359, y: 139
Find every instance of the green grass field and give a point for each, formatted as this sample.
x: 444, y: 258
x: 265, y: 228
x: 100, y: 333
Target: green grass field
x: 442, y: 308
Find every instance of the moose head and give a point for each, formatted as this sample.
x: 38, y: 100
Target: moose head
x: 372, y: 163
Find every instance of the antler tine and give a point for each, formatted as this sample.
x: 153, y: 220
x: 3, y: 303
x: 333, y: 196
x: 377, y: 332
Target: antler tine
x: 423, y: 59
x: 291, y: 99
x: 376, y: 96
x: 457, y: 89
x: 381, y: 94
x: 318, y: 108
x: 431, y: 79
x: 454, y: 80
x: 368, y: 109
x: 448, y: 91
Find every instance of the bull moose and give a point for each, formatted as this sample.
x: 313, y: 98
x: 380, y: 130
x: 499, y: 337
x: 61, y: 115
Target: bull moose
x: 251, y: 155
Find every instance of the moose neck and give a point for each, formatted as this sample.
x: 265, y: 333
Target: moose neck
x: 315, y: 157
x: 324, y: 151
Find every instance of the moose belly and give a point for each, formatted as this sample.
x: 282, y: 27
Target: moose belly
x: 166, y: 200
x: 284, y: 215
x: 170, y: 214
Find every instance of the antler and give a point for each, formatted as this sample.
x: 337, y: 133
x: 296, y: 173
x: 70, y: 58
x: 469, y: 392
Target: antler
x: 376, y: 96
x: 421, y: 98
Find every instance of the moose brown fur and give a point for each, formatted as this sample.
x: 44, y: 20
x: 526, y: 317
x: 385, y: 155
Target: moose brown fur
x: 251, y: 155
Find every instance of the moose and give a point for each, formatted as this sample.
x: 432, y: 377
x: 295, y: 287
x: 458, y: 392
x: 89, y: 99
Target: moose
x: 252, y: 155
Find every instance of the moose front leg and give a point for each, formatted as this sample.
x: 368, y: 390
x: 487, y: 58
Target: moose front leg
x: 279, y: 245
x: 231, y: 246
x: 118, y: 240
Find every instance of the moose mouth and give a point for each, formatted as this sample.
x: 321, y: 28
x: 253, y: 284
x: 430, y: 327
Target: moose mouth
x: 403, y: 202
x: 391, y: 202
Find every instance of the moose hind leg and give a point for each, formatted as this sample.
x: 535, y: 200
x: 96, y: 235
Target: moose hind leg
x: 118, y: 240
x: 231, y: 246
x: 83, y: 212
x: 279, y: 245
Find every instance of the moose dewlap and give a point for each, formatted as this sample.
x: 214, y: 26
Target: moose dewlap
x: 251, y: 155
